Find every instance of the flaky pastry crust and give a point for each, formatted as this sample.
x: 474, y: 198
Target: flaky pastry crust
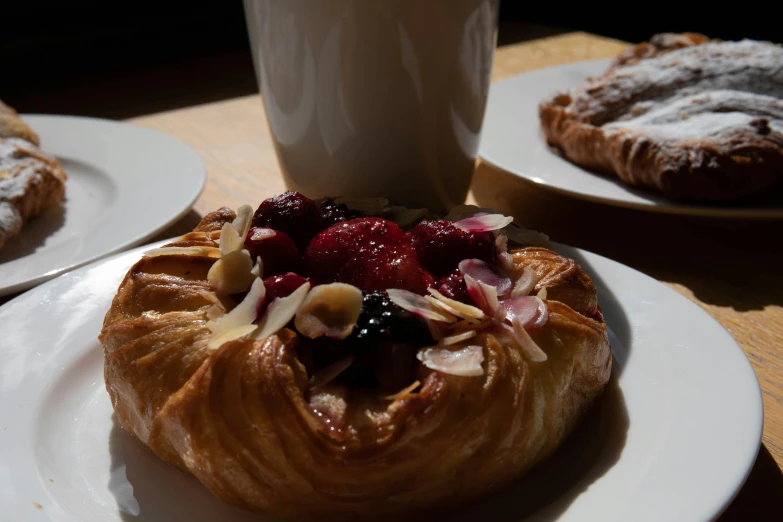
x: 242, y: 421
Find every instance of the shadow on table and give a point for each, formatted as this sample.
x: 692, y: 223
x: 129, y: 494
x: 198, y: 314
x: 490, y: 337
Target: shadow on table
x: 761, y: 498
x: 724, y: 262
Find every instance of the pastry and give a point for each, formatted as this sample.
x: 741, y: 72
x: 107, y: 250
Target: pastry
x: 684, y: 115
x: 30, y: 180
x: 346, y: 358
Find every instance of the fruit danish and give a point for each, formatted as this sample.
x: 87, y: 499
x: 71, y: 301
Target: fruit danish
x: 31, y: 181
x: 346, y: 358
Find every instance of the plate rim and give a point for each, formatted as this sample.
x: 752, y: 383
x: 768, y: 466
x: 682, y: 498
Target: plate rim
x: 31, y: 282
x: 661, y: 206
x: 750, y: 453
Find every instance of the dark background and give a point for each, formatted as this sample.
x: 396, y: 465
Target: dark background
x: 118, y: 60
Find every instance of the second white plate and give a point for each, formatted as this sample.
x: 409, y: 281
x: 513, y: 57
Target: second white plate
x: 512, y: 141
x: 672, y: 439
x: 125, y: 184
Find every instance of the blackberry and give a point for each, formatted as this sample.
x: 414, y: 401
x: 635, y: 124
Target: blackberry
x: 382, y: 320
x: 290, y: 213
x: 332, y: 213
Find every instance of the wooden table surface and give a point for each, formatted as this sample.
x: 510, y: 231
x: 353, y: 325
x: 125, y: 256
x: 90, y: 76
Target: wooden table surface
x: 730, y: 268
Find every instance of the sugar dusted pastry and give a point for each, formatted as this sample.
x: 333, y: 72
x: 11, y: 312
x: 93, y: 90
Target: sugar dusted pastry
x: 30, y: 181
x: 397, y: 367
x: 686, y: 116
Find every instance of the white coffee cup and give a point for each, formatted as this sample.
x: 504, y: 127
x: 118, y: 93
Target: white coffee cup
x: 375, y: 97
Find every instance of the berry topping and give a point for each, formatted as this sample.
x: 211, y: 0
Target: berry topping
x: 369, y: 253
x: 277, y: 251
x: 332, y: 213
x: 453, y: 287
x: 441, y: 246
x: 291, y: 213
x: 282, y: 285
x: 382, y: 320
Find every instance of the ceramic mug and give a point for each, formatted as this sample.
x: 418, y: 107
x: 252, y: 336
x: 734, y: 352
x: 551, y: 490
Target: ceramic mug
x: 375, y: 97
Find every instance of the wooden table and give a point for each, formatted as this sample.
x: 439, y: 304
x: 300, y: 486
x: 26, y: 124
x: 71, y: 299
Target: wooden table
x: 732, y: 269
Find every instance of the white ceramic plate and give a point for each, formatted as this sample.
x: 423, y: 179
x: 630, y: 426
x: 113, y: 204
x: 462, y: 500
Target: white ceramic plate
x: 672, y: 439
x: 125, y: 184
x: 512, y: 141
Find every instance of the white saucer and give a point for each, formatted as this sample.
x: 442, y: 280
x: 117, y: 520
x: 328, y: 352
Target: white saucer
x: 512, y: 141
x: 672, y: 439
x: 125, y: 184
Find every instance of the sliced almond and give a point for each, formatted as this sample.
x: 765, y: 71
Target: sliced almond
x: 193, y: 235
x: 485, y: 296
x: 239, y: 321
x: 528, y: 345
x: 526, y: 283
x: 243, y: 220
x: 454, y: 339
x: 215, y: 312
x: 465, y: 362
x: 280, y: 312
x: 403, y: 392
x: 221, y: 337
x: 258, y: 269
x: 483, y: 222
x: 230, y: 240
x: 330, y: 373
x: 435, y: 332
x: 231, y: 274
x: 183, y: 251
x: 457, y: 308
x: 331, y: 310
x: 542, y: 293
x: 418, y: 305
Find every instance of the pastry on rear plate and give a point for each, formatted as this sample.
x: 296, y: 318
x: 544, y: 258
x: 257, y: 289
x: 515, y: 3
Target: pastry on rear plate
x: 686, y: 116
x: 346, y: 358
x: 30, y: 180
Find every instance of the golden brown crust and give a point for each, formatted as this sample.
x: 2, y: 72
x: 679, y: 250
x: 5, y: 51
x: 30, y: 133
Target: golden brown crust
x: 11, y: 126
x: 242, y: 420
x: 690, y: 117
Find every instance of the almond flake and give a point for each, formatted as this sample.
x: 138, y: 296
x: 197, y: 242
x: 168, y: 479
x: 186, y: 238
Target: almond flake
x: 418, y: 305
x: 482, y: 222
x: 485, y: 296
x: 230, y: 240
x: 526, y: 283
x: 183, y: 251
x: 241, y: 318
x: 457, y: 308
x: 331, y: 310
x: 435, y: 332
x: 280, y: 312
x: 465, y: 362
x: 215, y: 312
x: 258, y: 269
x: 485, y: 273
x: 454, y: 339
x: 542, y: 293
x: 403, y: 392
x: 243, y: 220
x: 404, y: 216
x: 231, y: 274
x: 528, y: 345
x: 525, y: 237
x: 330, y: 373
x: 193, y: 235
x: 220, y: 337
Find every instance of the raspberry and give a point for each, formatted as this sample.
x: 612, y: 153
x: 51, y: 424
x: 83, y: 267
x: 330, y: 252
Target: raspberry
x: 441, y: 246
x: 332, y: 213
x: 278, y: 252
x: 290, y: 213
x: 453, y: 287
x: 282, y: 285
x: 369, y: 253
